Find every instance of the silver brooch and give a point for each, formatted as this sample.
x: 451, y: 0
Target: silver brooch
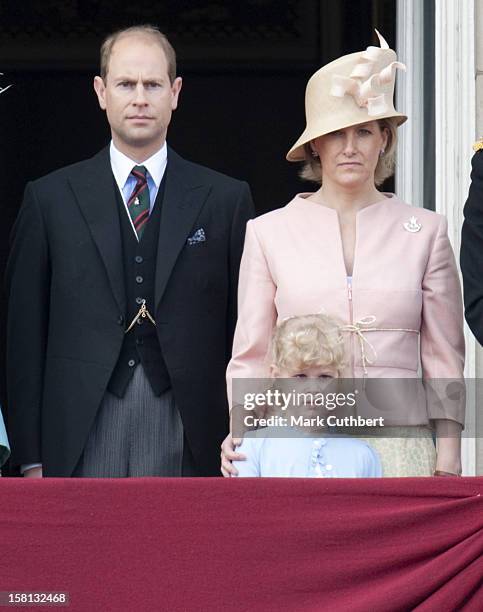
x: 412, y: 225
x: 136, y: 201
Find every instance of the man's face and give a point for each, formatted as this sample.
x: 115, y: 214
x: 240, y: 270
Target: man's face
x: 137, y: 95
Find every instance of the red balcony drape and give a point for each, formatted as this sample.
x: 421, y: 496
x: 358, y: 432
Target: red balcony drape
x: 246, y: 544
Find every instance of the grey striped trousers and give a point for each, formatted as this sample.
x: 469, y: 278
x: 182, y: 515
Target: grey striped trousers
x: 137, y: 435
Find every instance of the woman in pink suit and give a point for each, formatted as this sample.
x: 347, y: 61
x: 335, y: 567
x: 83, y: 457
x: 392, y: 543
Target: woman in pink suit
x: 385, y: 268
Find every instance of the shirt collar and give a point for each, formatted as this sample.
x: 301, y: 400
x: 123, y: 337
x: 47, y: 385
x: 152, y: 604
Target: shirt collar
x: 122, y: 165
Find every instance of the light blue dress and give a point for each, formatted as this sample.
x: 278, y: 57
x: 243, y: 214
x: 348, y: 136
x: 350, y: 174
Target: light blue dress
x: 4, y: 445
x: 304, y: 457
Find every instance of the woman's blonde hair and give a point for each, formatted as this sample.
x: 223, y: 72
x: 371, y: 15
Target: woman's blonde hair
x: 312, y: 170
x: 308, y: 340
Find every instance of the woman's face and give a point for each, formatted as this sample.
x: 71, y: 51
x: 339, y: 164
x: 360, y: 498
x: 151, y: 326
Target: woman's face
x: 349, y: 156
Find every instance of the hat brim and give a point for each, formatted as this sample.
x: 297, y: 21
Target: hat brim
x: 297, y: 152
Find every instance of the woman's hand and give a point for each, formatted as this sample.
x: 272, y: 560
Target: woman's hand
x: 228, y: 455
x: 448, y: 446
x: 441, y: 473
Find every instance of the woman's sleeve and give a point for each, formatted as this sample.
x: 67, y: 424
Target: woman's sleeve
x: 256, y: 314
x: 442, y: 339
x: 4, y: 445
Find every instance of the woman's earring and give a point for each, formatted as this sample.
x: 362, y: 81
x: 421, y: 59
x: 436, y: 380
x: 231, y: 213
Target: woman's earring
x: 381, y: 152
x: 314, y: 154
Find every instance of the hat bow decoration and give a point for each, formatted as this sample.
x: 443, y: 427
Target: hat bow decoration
x: 363, y: 83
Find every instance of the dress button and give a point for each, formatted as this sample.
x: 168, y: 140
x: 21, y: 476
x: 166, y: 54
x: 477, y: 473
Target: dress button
x: 139, y: 279
x: 139, y: 321
x: 139, y: 300
x: 131, y: 363
x: 120, y: 320
x: 138, y: 259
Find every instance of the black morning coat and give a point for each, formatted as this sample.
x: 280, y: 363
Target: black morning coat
x: 67, y: 306
x: 471, y: 257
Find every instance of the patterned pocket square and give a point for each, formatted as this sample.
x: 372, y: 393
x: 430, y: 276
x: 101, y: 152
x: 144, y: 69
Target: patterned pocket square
x: 197, y: 237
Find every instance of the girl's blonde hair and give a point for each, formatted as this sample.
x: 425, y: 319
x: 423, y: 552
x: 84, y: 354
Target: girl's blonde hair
x: 308, y: 340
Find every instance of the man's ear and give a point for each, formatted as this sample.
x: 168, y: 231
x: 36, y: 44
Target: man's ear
x: 100, y: 90
x: 175, y: 90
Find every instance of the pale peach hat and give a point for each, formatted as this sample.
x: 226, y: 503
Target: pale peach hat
x: 350, y: 90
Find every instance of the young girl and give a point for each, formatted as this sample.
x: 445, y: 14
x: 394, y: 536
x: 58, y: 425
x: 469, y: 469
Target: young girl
x: 306, y: 347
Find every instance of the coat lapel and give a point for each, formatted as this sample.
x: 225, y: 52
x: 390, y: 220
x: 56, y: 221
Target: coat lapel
x: 94, y: 190
x: 184, y: 197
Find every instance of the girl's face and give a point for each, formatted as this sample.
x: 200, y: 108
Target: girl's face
x: 310, y: 381
x: 321, y: 372
x: 318, y: 372
x: 349, y: 156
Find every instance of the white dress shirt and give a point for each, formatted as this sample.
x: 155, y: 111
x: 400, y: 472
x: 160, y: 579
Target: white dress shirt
x: 121, y: 168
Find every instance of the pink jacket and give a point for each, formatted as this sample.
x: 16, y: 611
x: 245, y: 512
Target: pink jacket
x: 405, y: 284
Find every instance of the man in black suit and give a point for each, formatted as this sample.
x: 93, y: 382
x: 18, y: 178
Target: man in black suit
x: 471, y: 257
x: 122, y: 284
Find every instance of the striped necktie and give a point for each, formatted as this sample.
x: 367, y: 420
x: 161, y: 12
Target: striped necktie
x: 138, y: 203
